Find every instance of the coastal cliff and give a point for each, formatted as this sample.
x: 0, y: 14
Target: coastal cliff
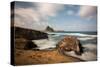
x: 22, y: 38
x: 28, y: 33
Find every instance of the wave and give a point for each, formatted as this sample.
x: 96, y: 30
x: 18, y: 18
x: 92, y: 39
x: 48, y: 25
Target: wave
x: 90, y: 49
x: 88, y: 55
x: 85, y: 38
x: 90, y: 46
x: 73, y: 34
x: 45, y: 43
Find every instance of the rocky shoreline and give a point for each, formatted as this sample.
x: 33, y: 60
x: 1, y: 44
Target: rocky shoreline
x: 27, y: 57
x: 23, y: 37
x: 25, y: 52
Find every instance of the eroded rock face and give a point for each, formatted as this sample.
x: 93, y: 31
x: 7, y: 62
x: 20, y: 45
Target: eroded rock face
x: 70, y: 43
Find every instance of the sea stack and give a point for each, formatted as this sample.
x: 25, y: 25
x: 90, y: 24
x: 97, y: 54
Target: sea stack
x: 49, y: 29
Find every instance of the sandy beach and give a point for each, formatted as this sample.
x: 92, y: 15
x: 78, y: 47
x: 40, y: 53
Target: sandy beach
x: 25, y: 57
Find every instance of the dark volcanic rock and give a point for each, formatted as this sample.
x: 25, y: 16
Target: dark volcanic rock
x: 28, y: 33
x: 30, y: 45
x: 70, y: 43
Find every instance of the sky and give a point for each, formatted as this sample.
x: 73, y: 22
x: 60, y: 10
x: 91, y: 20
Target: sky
x: 65, y: 17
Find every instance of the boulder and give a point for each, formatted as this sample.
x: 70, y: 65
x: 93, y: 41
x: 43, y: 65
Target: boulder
x: 70, y: 43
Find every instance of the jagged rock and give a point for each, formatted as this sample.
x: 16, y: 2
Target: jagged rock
x: 48, y: 28
x: 70, y: 43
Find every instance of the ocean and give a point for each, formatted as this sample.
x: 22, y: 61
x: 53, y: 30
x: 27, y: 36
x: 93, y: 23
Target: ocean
x: 87, y: 39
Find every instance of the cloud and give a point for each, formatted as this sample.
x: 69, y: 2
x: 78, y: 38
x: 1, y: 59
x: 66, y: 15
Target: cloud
x: 35, y: 17
x: 88, y: 11
x: 49, y: 9
x: 78, y: 25
x: 27, y: 18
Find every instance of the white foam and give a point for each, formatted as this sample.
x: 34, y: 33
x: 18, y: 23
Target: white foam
x: 90, y: 46
x: 73, y: 34
x: 86, y: 38
x: 44, y: 43
x: 87, y: 55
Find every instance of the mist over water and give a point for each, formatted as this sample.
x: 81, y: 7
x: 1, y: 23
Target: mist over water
x: 88, y: 41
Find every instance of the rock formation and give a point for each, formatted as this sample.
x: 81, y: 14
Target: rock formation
x: 28, y: 33
x: 22, y: 38
x: 49, y: 29
x: 70, y: 43
x: 56, y: 55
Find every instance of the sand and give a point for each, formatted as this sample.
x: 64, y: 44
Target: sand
x: 27, y: 57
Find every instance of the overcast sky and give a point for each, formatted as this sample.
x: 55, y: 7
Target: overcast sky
x: 58, y: 16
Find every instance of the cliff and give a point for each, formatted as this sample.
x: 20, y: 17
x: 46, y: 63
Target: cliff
x: 28, y: 33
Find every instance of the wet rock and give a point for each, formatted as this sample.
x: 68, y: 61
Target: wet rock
x: 70, y: 43
x: 30, y: 45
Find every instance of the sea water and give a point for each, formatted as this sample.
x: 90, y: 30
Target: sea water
x: 87, y: 39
